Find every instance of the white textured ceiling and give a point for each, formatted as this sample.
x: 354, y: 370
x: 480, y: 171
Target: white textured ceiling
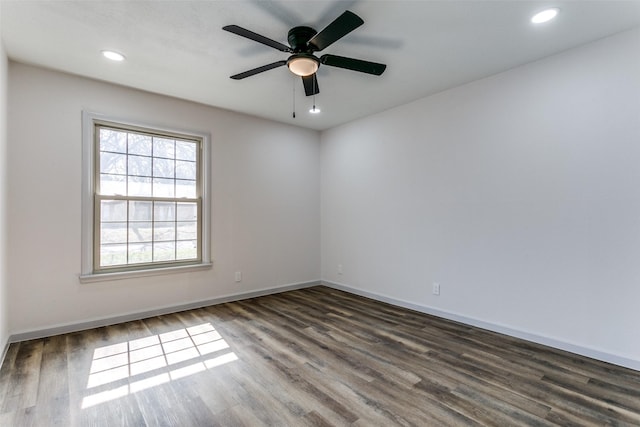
x: 178, y: 48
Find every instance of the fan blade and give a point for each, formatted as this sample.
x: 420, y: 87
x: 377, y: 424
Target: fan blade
x: 339, y: 28
x: 256, y: 37
x: 258, y: 70
x: 353, y: 64
x: 310, y: 85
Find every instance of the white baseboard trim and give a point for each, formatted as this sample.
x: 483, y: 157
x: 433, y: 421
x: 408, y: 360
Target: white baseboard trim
x: 538, y: 339
x: 4, y: 351
x: 106, y: 321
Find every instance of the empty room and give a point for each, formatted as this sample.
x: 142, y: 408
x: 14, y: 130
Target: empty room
x: 319, y: 213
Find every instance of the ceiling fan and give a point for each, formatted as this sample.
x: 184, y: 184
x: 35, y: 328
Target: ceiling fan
x: 303, y: 42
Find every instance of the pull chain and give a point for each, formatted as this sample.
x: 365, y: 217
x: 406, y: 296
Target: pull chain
x: 314, y: 110
x: 294, y: 98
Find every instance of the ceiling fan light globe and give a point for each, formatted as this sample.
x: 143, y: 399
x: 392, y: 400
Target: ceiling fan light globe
x: 303, y: 65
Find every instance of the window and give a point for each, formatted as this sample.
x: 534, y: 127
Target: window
x: 147, y: 207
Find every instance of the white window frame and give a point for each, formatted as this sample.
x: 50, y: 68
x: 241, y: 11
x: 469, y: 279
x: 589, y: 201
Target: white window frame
x: 88, y: 271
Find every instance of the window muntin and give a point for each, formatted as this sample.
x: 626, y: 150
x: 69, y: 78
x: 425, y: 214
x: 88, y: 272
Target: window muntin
x: 148, y: 199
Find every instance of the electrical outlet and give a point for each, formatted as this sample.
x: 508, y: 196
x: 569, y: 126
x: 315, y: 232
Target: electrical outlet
x: 436, y: 288
x: 339, y: 268
x: 238, y: 276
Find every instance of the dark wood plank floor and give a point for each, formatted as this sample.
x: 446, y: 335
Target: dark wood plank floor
x: 316, y: 357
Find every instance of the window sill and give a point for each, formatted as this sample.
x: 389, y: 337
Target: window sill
x: 103, y: 277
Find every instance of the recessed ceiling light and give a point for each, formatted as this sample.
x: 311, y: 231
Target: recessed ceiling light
x: 114, y: 56
x: 545, y: 16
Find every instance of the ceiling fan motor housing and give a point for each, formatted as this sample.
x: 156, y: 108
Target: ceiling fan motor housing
x: 298, y: 38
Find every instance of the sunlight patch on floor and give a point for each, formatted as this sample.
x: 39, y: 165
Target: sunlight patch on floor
x: 169, y: 353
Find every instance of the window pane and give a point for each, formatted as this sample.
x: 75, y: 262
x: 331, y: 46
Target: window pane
x: 186, y: 189
x: 113, y: 210
x: 113, y: 255
x: 113, y: 140
x: 113, y: 232
x: 185, y: 170
x: 140, y: 252
x: 164, y: 231
x: 187, y: 211
x: 140, y: 232
x: 186, y: 150
x: 164, y: 251
x: 187, y: 230
x: 139, y: 166
x: 140, y: 211
x: 156, y: 178
x: 139, y: 187
x: 164, y: 211
x: 139, y: 144
x: 113, y: 163
x: 187, y: 250
x: 163, y: 187
x: 163, y: 168
x: 163, y: 147
x: 111, y: 185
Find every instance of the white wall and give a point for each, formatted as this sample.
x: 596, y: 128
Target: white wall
x: 4, y: 305
x: 265, y: 204
x: 518, y: 193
